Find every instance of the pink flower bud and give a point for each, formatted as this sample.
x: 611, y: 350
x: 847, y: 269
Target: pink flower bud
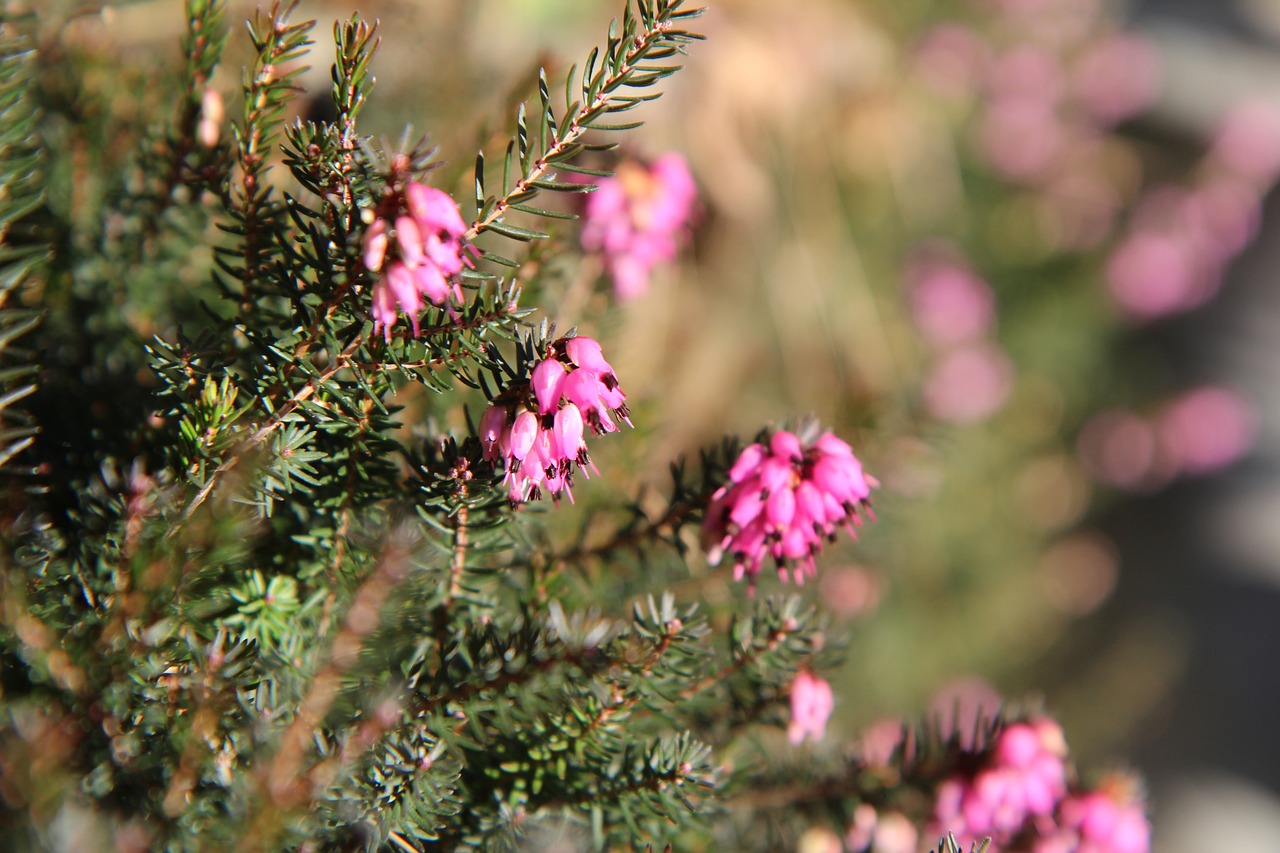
x: 431, y: 284
x: 786, y: 446
x: 781, y: 508
x: 375, y: 245
x: 811, y: 705
x: 409, y: 241
x: 435, y: 210
x: 586, y: 353
x: 568, y: 431
x: 523, y: 434
x: 546, y: 380
x: 492, y: 425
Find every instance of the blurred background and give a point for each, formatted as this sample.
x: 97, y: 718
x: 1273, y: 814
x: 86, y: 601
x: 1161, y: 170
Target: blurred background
x: 1021, y: 253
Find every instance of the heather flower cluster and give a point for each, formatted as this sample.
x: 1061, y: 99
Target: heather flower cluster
x: 1107, y: 820
x: 1200, y: 431
x: 538, y: 430
x: 1025, y: 777
x: 1019, y: 797
x: 1182, y: 238
x: 784, y: 499
x: 637, y: 219
x: 416, y: 243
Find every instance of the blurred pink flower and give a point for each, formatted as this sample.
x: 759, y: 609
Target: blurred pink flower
x: 1109, y: 820
x: 880, y: 740
x: 1225, y: 214
x: 964, y: 708
x: 811, y: 705
x: 637, y: 219
x: 1023, y: 776
x: 949, y: 304
x: 1248, y: 143
x: 784, y: 500
x: 1116, y: 78
x: 850, y: 591
x: 540, y: 433
x: 1207, y: 429
x: 1078, y: 208
x: 951, y: 59
x: 895, y: 833
x: 1154, y: 273
x: 1022, y: 138
x: 1118, y: 448
x: 1027, y: 73
x: 891, y: 832
x: 968, y: 384
x: 862, y: 830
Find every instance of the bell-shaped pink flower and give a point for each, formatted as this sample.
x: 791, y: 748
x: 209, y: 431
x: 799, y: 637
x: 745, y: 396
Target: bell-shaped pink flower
x: 546, y: 379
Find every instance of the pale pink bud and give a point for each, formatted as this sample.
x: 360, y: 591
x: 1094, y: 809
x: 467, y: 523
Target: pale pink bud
x: 211, y: 117
x: 375, y: 245
x: 492, y: 426
x: 432, y: 284
x: 384, y: 308
x: 409, y: 241
x: 401, y: 281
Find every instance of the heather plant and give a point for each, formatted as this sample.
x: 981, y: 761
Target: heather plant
x: 288, y: 439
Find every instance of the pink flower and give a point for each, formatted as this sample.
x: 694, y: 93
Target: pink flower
x: 969, y: 384
x: 538, y: 428
x: 949, y: 304
x: 416, y: 243
x: 1207, y: 429
x: 950, y: 60
x: 891, y: 832
x: 1248, y: 143
x: 811, y: 705
x: 1109, y: 820
x: 1023, y: 776
x: 1116, y: 78
x: 1154, y: 273
x: 783, y: 500
x: 637, y: 219
x: 1022, y: 138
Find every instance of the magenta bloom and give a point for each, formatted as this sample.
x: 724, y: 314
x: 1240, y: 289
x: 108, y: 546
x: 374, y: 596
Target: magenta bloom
x: 949, y: 304
x: 1109, y: 820
x: 1023, y: 777
x: 416, y: 243
x: 783, y: 500
x: 1207, y: 429
x: 637, y: 219
x: 969, y: 384
x: 539, y: 429
x: 811, y: 705
x: 1118, y: 77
